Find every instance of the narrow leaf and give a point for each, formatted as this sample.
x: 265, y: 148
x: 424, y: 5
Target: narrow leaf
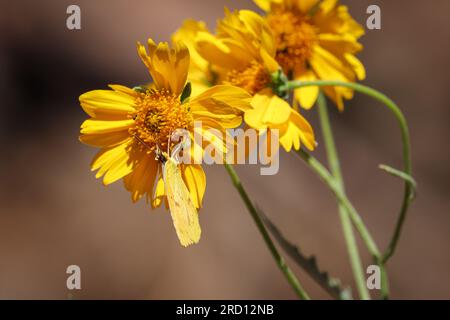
x: 402, y: 175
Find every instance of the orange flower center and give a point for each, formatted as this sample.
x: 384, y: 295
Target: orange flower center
x: 159, y: 114
x: 252, y: 78
x: 295, y: 37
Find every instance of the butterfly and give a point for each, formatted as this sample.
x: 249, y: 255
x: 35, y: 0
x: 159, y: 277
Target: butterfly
x: 182, y: 209
x: 184, y: 214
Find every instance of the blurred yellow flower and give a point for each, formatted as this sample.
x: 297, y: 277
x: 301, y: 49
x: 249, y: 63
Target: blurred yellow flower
x: 242, y: 54
x: 316, y: 40
x: 130, y: 126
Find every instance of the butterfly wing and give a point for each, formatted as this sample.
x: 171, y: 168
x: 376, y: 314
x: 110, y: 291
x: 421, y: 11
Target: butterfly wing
x: 184, y: 214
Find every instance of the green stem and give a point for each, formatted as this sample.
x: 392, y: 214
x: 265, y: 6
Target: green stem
x: 326, y: 176
x: 407, y: 163
x: 330, y: 146
x: 330, y: 181
x: 384, y: 280
x: 291, y: 278
x: 333, y: 160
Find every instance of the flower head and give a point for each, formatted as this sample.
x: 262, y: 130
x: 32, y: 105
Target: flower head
x: 242, y: 53
x: 132, y: 126
x: 316, y: 39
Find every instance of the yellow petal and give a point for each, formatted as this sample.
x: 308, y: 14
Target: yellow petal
x: 259, y: 30
x: 305, y: 130
x: 195, y: 179
x: 95, y: 126
x: 115, y: 162
x: 222, y: 96
x: 159, y: 193
x: 142, y: 180
x: 266, y: 4
x: 269, y: 62
x: 327, y: 66
x: 187, y: 34
x: 212, y: 133
x: 268, y: 109
x: 243, y: 32
x: 357, y: 66
x: 168, y: 67
x: 287, y: 137
x: 296, y: 132
x: 108, y: 139
x: 108, y: 104
x: 172, y: 64
x: 199, y: 83
x: 339, y: 42
x: 158, y: 78
x: 336, y: 94
x: 123, y: 89
x: 342, y: 22
x: 218, y: 53
x: 223, y: 103
x: 306, y: 5
x: 199, y: 75
x: 196, y: 151
x: 307, y: 96
x: 339, y: 51
x: 328, y: 5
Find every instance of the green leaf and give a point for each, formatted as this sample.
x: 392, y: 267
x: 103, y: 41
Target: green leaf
x: 309, y: 264
x: 186, y: 92
x: 402, y: 175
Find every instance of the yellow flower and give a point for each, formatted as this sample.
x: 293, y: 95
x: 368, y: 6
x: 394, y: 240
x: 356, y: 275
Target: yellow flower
x: 131, y: 125
x: 242, y: 54
x: 316, y: 39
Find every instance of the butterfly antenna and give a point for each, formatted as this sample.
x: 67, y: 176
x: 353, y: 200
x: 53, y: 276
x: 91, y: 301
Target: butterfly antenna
x: 158, y: 153
x: 143, y: 142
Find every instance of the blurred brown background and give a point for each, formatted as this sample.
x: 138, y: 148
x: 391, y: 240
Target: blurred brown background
x: 53, y: 212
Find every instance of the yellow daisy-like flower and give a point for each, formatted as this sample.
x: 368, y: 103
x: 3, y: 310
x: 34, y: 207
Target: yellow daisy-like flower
x: 130, y: 126
x: 242, y: 54
x: 316, y: 40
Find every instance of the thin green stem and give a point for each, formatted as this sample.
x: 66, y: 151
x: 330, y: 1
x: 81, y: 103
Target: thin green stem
x: 384, y: 280
x: 407, y: 163
x: 326, y: 176
x: 330, y: 181
x: 330, y: 146
x: 333, y: 160
x: 287, y: 272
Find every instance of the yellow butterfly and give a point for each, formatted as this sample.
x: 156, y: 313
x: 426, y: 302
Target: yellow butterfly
x: 184, y: 214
